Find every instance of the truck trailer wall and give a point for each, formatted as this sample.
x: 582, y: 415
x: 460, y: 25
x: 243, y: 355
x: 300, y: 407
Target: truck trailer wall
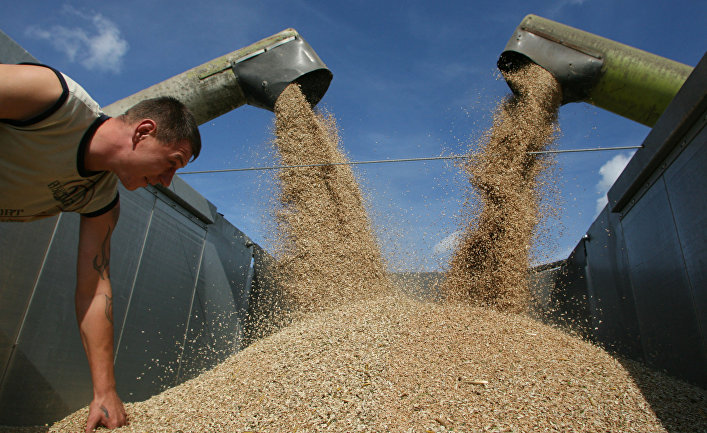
x: 180, y: 294
x: 642, y: 273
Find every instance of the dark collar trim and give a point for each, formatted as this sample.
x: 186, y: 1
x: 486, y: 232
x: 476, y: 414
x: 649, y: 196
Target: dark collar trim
x: 83, y: 146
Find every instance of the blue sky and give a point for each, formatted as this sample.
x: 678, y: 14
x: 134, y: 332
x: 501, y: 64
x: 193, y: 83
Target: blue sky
x: 411, y: 79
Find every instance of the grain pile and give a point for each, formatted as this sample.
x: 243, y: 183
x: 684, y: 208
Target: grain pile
x: 490, y: 266
x: 399, y: 365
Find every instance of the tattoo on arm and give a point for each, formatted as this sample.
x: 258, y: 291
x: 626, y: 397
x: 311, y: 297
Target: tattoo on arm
x: 109, y: 308
x: 101, y: 263
x: 105, y: 411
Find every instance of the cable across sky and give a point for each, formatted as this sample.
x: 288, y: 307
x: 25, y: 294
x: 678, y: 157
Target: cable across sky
x: 381, y: 161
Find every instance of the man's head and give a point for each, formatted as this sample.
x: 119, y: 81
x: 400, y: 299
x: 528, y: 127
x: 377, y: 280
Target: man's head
x: 175, y: 123
x: 165, y: 136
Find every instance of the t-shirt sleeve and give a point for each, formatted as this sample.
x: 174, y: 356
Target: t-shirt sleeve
x: 105, y: 209
x: 105, y: 196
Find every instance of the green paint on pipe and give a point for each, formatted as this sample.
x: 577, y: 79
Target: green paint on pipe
x: 636, y: 84
x: 624, y: 80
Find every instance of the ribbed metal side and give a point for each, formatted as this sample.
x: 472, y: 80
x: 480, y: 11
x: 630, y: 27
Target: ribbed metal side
x: 640, y: 271
x: 181, y: 291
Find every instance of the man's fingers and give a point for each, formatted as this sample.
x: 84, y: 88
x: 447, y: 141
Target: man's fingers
x: 99, y: 416
x: 108, y: 412
x: 92, y: 423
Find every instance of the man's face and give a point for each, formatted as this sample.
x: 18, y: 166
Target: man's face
x: 152, y: 162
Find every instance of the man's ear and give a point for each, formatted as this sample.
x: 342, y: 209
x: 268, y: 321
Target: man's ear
x: 143, y: 128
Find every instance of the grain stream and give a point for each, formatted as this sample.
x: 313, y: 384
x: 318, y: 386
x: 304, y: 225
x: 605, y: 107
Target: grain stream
x: 490, y: 266
x: 326, y: 251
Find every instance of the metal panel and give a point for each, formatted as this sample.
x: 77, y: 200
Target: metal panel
x: 127, y: 243
x: 681, y: 114
x: 155, y: 325
x: 611, y: 295
x: 22, y: 251
x: 686, y: 180
x: 221, y: 300
x: 569, y: 298
x: 12, y: 52
x: 418, y: 285
x: 187, y: 197
x: 669, y: 330
x: 49, y: 364
x: 22, y: 248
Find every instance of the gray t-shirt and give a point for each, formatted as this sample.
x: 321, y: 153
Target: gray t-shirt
x: 42, y: 169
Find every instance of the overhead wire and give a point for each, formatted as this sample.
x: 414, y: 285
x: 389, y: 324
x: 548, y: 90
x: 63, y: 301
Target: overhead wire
x: 381, y: 161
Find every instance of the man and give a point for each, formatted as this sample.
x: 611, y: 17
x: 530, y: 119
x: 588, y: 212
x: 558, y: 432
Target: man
x: 60, y: 153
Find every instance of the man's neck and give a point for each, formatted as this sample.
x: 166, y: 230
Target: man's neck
x: 103, y: 150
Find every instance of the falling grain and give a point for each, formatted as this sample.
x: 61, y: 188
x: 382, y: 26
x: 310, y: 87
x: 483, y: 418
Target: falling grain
x: 327, y: 254
x: 490, y: 266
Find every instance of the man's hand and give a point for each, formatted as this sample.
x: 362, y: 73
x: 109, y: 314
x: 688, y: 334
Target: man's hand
x: 94, y: 313
x: 106, y: 410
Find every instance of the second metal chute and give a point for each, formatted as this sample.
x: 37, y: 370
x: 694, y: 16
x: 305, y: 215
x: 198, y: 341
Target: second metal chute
x: 624, y: 80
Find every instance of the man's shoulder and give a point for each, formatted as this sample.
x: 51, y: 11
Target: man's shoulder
x: 79, y: 95
x: 31, y: 92
x: 57, y: 97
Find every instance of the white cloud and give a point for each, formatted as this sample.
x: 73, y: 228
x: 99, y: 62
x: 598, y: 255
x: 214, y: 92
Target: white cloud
x: 560, y: 5
x: 609, y: 172
x: 448, y: 244
x: 96, y: 43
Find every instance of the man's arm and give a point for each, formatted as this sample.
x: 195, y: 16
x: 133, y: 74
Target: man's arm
x: 94, y: 312
x: 26, y: 91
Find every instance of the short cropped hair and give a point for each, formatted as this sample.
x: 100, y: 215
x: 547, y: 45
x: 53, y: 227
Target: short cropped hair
x: 175, y: 122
